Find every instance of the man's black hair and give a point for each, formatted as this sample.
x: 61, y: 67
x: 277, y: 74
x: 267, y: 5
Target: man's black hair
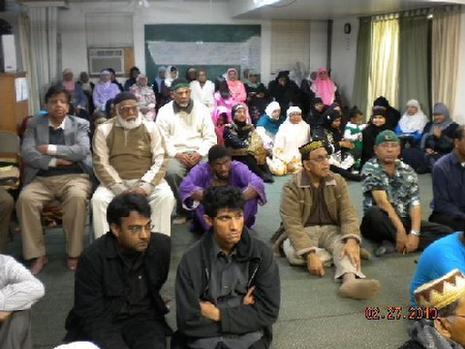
x: 218, y: 152
x: 56, y: 90
x: 459, y: 132
x: 223, y: 197
x: 122, y: 205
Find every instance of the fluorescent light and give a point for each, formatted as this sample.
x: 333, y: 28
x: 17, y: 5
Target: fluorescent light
x: 260, y: 3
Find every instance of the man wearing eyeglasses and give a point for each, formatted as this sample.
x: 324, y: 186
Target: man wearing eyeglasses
x: 129, y: 157
x: 321, y: 225
x: 443, y: 310
x: 118, y: 280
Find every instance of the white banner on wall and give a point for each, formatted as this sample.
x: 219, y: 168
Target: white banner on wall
x: 245, y: 54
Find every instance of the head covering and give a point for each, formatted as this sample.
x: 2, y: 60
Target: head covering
x: 441, y: 292
x: 386, y: 136
x: 293, y: 109
x: 324, y: 88
x: 77, y: 345
x: 382, y: 102
x: 124, y: 96
x: 236, y: 107
x: 105, y: 72
x: 440, y: 108
x: 330, y: 116
x: 141, y: 76
x: 179, y: 83
x: 311, y: 146
x: 168, y: 79
x: 413, y: 123
x: 283, y: 74
x: 67, y: 71
x: 378, y: 110
x: 229, y: 70
x: 161, y: 69
x: 270, y: 108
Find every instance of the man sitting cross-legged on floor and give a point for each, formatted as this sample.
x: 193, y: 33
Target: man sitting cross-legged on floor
x: 321, y: 224
x: 220, y: 170
x: 227, y: 284
x: 117, y: 302
x: 391, y: 201
x: 449, y: 185
x: 129, y: 156
x: 19, y: 290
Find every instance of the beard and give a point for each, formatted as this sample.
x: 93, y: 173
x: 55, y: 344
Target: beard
x: 129, y: 125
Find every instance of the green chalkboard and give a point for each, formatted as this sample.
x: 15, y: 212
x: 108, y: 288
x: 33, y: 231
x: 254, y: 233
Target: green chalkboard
x: 196, y: 33
x: 201, y: 32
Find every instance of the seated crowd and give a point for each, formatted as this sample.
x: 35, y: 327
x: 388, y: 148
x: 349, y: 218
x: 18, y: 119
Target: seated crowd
x: 179, y: 150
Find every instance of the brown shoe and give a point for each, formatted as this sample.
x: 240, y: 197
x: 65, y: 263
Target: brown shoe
x: 72, y: 263
x: 38, y: 264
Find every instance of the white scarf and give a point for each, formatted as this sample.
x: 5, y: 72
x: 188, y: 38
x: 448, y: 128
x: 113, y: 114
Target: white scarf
x: 413, y: 123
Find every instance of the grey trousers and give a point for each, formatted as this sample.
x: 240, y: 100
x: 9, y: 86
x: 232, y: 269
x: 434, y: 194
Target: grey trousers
x: 7, y: 204
x: 175, y: 173
x: 15, y: 332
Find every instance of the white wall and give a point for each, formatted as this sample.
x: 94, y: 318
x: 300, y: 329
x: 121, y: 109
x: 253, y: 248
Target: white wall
x: 344, y: 56
x: 73, y: 29
x: 459, y: 108
x: 318, y: 44
x: 12, y: 18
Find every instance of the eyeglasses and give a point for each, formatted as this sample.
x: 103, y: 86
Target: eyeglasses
x: 128, y: 109
x: 137, y: 229
x: 321, y: 158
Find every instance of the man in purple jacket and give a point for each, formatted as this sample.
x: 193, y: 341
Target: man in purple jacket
x: 220, y: 171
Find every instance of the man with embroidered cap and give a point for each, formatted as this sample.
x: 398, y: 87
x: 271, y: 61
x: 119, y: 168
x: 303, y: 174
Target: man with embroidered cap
x: 321, y: 225
x: 444, y: 299
x: 391, y: 202
x: 188, y: 130
x: 129, y: 157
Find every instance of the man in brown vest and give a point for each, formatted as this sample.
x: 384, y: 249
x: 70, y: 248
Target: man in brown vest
x: 129, y: 156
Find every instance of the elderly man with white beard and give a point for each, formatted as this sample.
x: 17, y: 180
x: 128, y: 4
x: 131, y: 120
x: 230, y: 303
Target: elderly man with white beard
x: 129, y: 156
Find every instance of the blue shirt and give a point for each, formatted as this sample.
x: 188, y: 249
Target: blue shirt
x: 449, y: 186
x: 439, y: 258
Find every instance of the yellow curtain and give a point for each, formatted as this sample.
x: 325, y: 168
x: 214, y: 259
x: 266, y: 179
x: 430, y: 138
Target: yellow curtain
x: 445, y: 47
x: 384, y: 71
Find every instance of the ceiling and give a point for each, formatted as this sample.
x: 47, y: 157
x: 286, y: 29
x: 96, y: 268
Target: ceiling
x: 328, y: 9
x: 302, y: 9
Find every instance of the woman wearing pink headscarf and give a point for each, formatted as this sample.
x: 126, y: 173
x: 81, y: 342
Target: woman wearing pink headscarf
x: 236, y: 87
x: 324, y: 87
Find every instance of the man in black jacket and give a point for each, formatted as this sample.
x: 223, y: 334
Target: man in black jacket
x: 117, y: 302
x: 227, y: 284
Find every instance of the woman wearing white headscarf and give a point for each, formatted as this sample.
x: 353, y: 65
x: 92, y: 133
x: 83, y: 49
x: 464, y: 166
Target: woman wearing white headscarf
x: 171, y: 74
x: 268, y: 124
x: 292, y: 134
x: 412, y: 123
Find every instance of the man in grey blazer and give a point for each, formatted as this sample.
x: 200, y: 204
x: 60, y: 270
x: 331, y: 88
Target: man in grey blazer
x: 58, y: 165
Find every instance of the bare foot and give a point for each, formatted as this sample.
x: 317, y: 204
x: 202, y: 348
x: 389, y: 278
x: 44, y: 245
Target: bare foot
x: 359, y: 288
x: 38, y: 264
x: 72, y: 263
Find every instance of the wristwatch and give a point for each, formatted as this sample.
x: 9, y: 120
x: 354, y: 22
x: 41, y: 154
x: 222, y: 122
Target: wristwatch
x: 414, y: 232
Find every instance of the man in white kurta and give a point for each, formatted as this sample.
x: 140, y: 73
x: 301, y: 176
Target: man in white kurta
x: 129, y: 156
x: 188, y: 131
